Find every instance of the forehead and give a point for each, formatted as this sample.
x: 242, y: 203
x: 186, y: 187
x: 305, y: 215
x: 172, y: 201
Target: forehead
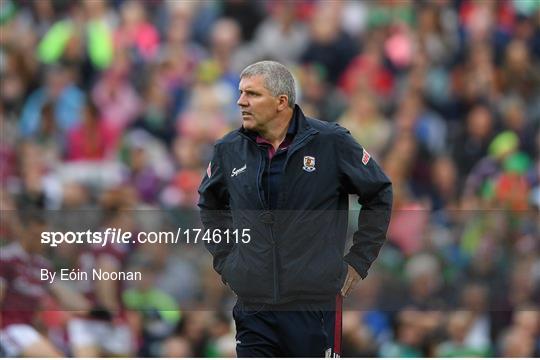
x: 255, y: 82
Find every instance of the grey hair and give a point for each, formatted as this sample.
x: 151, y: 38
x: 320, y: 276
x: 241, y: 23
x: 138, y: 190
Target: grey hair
x: 277, y: 78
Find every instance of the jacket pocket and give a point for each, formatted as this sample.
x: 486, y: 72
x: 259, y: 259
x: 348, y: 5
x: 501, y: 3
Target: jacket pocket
x: 317, y: 273
x: 246, y: 277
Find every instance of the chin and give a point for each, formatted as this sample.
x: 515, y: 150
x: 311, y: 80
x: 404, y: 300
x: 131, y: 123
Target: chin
x: 248, y: 125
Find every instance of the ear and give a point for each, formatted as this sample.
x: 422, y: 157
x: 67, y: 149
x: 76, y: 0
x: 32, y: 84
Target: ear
x: 283, y: 102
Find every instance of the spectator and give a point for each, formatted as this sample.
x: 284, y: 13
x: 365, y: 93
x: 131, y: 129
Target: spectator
x: 459, y: 324
x: 83, y: 40
x: 474, y: 140
x: 135, y: 33
x: 92, y: 139
x: 115, y: 96
x: 517, y: 343
x: 59, y: 88
x: 366, y: 123
x: 445, y: 93
x: 409, y: 337
x: 155, y: 310
x: 329, y: 46
x: 280, y: 37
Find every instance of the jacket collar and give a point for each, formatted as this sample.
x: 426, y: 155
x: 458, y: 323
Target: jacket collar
x: 297, y: 127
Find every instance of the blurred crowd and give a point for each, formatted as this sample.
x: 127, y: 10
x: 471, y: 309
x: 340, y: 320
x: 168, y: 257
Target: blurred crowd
x: 109, y: 111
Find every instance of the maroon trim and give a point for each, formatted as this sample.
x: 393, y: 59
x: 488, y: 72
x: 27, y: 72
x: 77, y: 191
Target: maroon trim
x: 337, y: 325
x: 271, y: 151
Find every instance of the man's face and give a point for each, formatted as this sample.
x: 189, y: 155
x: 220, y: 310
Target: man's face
x: 257, y: 104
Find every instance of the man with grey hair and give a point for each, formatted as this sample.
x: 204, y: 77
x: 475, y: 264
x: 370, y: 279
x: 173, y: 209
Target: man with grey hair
x: 282, y: 181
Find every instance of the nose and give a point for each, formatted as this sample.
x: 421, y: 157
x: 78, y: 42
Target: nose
x: 242, y: 102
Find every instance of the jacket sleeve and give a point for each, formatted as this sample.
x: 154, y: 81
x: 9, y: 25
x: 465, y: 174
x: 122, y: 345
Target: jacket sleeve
x: 361, y: 175
x: 214, y: 209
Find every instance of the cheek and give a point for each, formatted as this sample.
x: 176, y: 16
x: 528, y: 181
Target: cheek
x: 258, y: 109
x: 267, y: 107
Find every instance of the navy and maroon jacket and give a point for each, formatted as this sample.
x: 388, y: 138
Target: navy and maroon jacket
x: 296, y: 251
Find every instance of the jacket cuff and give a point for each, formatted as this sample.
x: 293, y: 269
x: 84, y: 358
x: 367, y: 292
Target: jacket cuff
x: 356, y: 262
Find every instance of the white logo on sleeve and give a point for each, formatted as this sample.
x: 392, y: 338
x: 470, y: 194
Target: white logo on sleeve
x: 236, y: 172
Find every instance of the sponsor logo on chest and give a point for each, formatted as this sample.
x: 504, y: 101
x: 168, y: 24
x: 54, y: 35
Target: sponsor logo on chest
x: 236, y: 172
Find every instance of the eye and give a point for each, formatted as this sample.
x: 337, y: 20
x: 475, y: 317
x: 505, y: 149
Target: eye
x: 249, y: 93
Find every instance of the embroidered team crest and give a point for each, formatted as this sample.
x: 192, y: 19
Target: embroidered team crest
x: 365, y: 157
x: 309, y: 164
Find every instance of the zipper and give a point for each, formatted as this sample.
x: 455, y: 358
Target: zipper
x: 297, y: 146
x: 269, y: 227
x: 259, y: 178
x: 268, y: 181
x: 275, y: 262
x: 266, y: 205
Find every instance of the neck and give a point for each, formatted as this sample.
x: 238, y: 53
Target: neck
x: 276, y: 133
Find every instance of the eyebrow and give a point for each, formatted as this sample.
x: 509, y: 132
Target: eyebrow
x: 249, y: 90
